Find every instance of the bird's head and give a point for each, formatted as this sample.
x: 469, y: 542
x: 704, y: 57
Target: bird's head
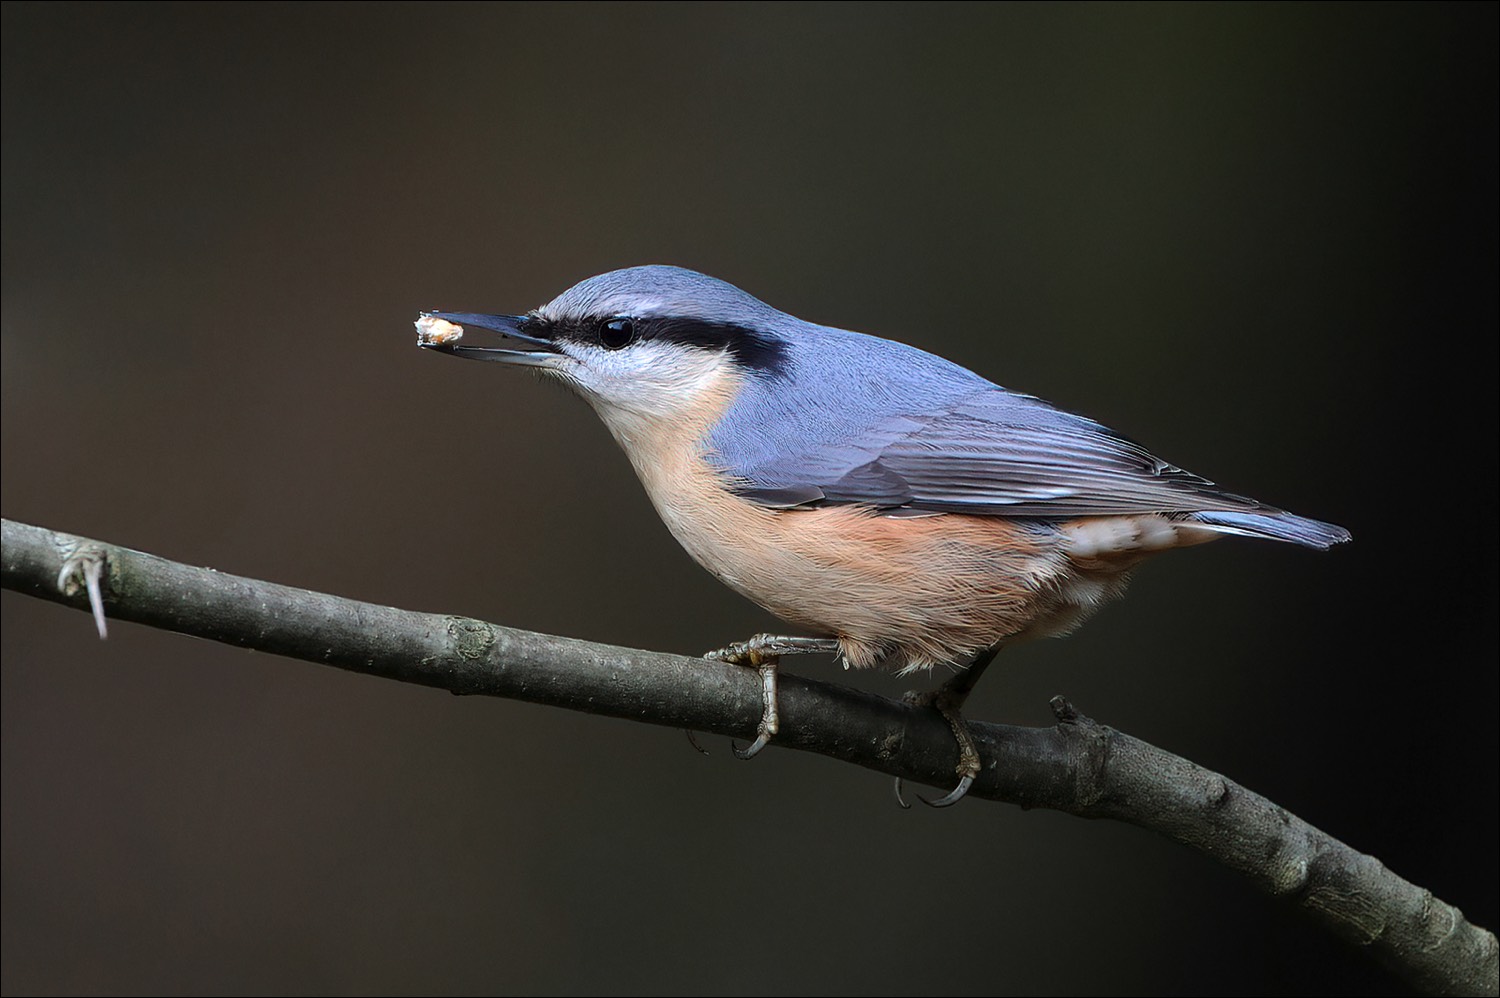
x: 645, y: 343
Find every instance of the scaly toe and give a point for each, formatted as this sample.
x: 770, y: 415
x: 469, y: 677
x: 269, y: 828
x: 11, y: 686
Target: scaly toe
x: 945, y: 703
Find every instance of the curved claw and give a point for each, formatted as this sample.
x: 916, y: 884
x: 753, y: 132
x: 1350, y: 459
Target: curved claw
x: 693, y: 741
x: 762, y: 739
x: 900, y: 797
x: 951, y: 797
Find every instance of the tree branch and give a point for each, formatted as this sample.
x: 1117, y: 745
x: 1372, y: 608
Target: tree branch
x: 1077, y: 766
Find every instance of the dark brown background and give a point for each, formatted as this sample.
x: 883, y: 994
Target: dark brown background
x: 1260, y: 239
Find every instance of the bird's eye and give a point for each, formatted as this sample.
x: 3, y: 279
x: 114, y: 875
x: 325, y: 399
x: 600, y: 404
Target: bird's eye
x: 616, y: 333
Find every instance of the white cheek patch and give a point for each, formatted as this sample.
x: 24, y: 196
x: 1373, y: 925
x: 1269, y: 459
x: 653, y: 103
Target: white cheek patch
x: 647, y: 377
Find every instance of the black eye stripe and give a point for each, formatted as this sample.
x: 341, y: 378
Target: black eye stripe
x: 751, y: 347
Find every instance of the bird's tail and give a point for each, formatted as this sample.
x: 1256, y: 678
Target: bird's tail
x: 1276, y: 526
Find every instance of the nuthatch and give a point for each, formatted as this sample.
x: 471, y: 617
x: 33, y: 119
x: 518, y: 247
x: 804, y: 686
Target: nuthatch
x: 903, y: 508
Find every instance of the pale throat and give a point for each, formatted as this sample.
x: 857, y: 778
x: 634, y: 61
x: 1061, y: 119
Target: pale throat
x: 666, y: 416
x: 667, y: 444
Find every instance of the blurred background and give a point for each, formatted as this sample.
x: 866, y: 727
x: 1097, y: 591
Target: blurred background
x: 1260, y: 239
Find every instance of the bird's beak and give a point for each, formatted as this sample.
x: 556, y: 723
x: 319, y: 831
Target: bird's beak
x: 442, y: 331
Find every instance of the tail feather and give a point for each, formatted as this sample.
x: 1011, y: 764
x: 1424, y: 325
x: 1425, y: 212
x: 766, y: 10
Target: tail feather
x: 1276, y: 526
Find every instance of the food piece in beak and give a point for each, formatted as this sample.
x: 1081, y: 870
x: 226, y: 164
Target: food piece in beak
x: 435, y: 332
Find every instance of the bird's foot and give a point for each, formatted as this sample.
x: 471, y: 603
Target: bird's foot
x: 946, y: 702
x: 763, y: 654
x: 773, y: 646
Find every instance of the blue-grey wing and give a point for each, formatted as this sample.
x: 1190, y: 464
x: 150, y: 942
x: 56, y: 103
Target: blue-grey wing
x: 911, y: 432
x: 997, y: 454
